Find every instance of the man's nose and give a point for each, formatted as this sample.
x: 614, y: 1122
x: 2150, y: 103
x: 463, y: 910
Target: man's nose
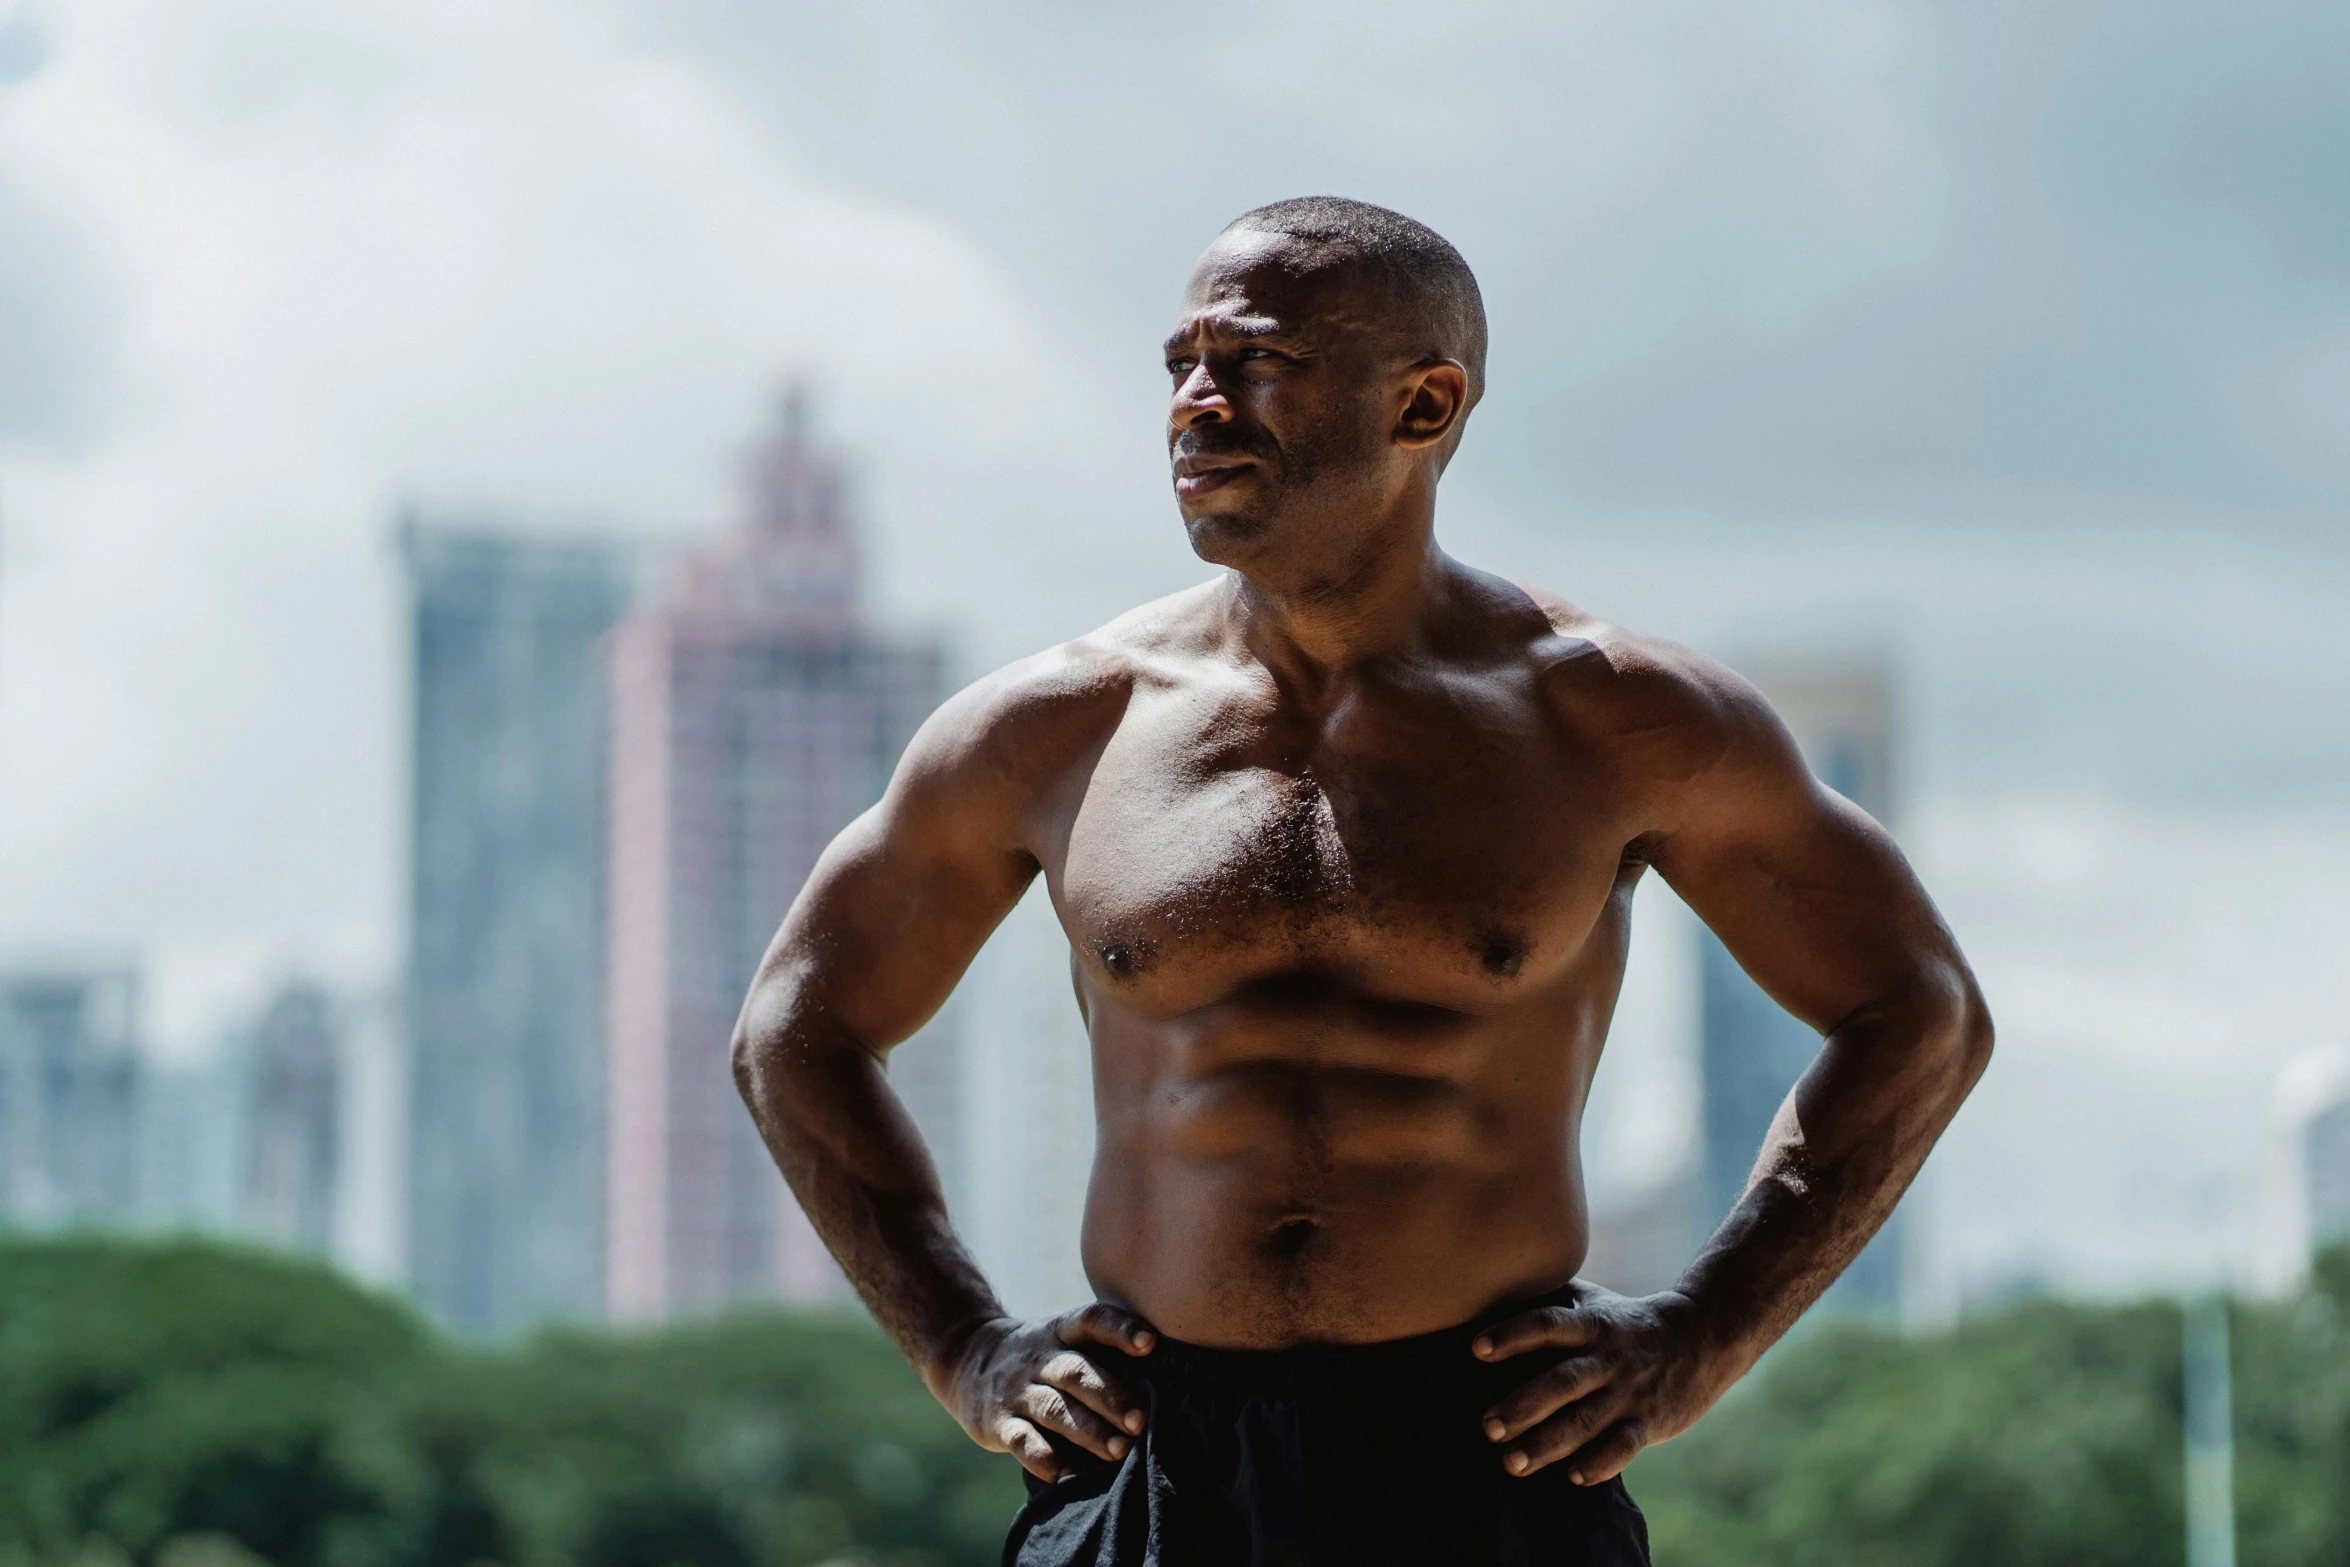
x: 1199, y: 400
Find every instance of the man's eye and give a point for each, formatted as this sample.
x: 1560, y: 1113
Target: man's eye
x: 1253, y: 353
x: 1180, y: 366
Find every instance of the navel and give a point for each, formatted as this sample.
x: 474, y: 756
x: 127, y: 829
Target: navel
x: 1291, y: 1237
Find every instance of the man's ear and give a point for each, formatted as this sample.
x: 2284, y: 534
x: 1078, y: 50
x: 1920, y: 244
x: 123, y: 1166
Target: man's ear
x: 1436, y: 397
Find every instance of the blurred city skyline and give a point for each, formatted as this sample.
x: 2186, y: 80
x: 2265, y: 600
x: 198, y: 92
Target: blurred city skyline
x: 2012, y: 343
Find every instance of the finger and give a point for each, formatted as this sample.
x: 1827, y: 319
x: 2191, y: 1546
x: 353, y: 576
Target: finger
x: 1109, y: 1326
x: 1602, y: 1460
x: 1086, y: 1382
x: 1560, y: 1435
x: 1051, y: 1410
x: 1024, y: 1442
x: 1545, y: 1393
x: 1545, y: 1327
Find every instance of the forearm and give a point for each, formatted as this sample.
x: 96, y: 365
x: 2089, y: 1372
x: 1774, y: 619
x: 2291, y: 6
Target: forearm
x: 852, y: 1156
x: 1845, y: 1145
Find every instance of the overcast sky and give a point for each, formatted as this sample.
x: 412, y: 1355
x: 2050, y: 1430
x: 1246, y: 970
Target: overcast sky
x: 2011, y: 339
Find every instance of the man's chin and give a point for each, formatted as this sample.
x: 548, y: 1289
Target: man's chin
x: 1220, y: 536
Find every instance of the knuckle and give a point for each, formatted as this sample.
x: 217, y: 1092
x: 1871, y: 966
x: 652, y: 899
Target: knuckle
x: 1558, y: 1325
x: 1581, y: 1422
x: 1552, y: 1439
x: 1572, y: 1372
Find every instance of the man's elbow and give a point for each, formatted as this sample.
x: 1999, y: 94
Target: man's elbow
x: 1966, y: 1033
x: 756, y: 1050
x: 742, y: 1054
x: 787, y: 1044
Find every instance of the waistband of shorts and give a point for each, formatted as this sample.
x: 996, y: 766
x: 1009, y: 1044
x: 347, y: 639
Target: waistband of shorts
x: 1439, y: 1356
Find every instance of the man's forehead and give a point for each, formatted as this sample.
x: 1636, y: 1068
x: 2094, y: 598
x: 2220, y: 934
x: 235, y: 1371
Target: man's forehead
x: 1252, y: 282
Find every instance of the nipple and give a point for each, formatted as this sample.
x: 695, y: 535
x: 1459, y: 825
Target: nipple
x: 1124, y: 959
x: 1503, y: 955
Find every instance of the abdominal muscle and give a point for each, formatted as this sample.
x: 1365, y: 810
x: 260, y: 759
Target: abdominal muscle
x: 1258, y: 1188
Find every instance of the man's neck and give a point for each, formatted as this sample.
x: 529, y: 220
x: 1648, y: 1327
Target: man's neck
x: 1313, y: 627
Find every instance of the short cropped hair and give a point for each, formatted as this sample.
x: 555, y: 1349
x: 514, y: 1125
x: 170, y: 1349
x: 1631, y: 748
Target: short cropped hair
x: 1419, y: 264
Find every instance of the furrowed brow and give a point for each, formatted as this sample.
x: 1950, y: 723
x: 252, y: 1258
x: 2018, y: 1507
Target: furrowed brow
x: 1224, y: 328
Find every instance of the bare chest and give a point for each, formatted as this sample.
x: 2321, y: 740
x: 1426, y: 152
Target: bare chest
x: 1429, y: 851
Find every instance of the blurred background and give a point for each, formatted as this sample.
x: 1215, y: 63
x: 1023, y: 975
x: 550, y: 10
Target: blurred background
x: 486, y: 491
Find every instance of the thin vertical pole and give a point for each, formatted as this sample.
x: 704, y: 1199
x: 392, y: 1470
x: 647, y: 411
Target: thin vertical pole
x: 2210, y: 1429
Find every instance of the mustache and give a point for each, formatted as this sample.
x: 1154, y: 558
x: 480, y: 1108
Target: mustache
x: 1217, y: 440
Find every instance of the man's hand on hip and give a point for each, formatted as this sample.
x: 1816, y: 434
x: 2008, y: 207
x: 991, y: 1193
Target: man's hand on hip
x: 1635, y: 1375
x: 1017, y: 1385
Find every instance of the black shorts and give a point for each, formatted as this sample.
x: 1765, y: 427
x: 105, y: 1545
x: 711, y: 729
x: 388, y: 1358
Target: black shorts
x: 1351, y: 1456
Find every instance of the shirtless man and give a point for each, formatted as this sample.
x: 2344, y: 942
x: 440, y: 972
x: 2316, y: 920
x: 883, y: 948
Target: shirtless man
x: 1344, y: 842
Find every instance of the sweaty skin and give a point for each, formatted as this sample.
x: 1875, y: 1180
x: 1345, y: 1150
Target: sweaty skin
x: 1344, y: 842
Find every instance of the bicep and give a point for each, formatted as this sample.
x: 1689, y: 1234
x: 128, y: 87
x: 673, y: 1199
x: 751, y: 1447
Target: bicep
x: 1807, y: 892
x: 885, y: 928
x: 900, y: 902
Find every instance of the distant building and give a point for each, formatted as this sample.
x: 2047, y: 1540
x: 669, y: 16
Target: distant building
x: 289, y: 1130
x: 293, y: 1155
x: 1639, y: 1127
x: 191, y: 1142
x: 1640, y: 1243
x: 2306, y: 1204
x: 755, y: 715
x: 1022, y: 1206
x: 504, y: 1004
x: 69, y: 1090
x: 1841, y: 713
x: 2325, y: 1172
x: 371, y: 1140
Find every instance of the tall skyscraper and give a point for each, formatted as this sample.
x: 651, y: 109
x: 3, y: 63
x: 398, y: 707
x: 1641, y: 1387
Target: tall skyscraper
x: 755, y: 714
x: 293, y: 1155
x: 1841, y: 713
x: 504, y: 1007
x: 69, y: 1086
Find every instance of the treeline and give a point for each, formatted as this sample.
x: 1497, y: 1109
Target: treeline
x: 2046, y: 1434
x: 193, y: 1405
x: 189, y: 1405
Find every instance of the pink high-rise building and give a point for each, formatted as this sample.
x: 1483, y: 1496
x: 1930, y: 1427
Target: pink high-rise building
x: 754, y: 714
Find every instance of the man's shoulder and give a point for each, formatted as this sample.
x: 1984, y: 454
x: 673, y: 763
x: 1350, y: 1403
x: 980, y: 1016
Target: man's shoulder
x: 1145, y: 646
x: 1030, y: 713
x: 1613, y: 683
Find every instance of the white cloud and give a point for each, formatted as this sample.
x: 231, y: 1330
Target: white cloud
x: 371, y: 249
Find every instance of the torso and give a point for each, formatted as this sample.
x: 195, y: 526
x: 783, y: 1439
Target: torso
x: 1347, y: 966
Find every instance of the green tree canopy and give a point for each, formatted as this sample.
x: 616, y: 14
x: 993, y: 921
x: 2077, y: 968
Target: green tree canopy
x: 185, y: 1404
x: 2047, y: 1434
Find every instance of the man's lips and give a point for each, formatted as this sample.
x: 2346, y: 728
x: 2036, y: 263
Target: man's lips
x: 1196, y: 475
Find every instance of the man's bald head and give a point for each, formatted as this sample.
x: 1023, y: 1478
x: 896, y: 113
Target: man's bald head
x: 1430, y: 291
x: 1323, y: 363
